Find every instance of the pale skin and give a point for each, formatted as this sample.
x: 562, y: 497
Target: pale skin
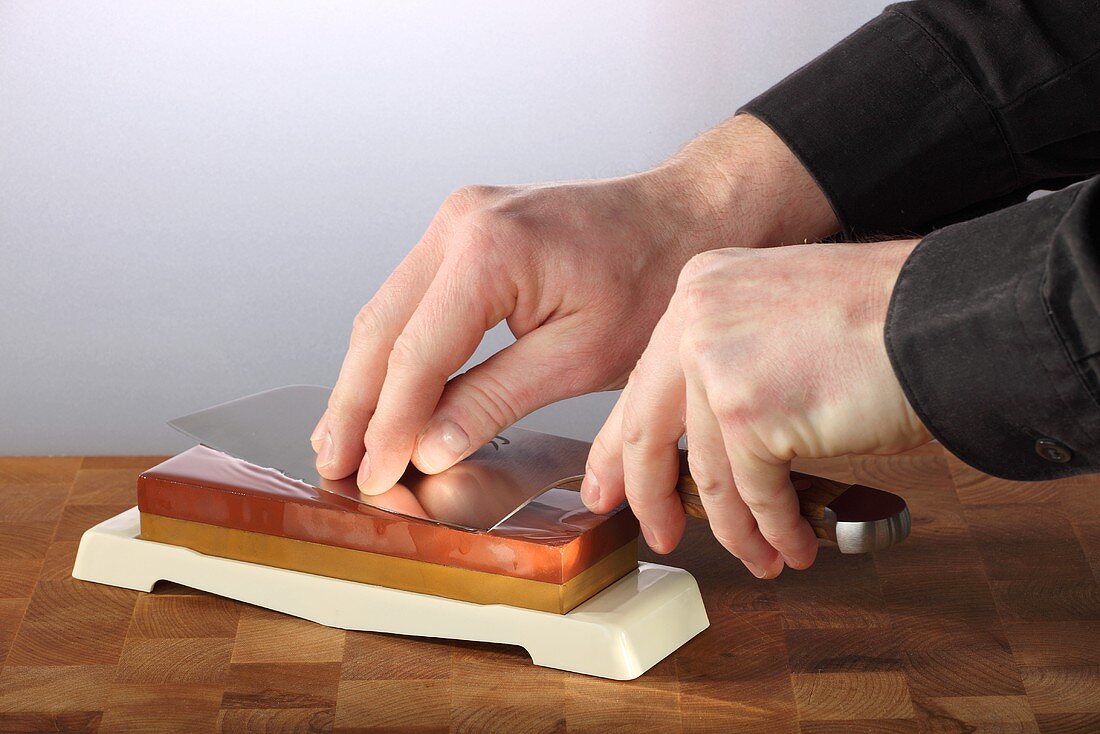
x: 760, y: 355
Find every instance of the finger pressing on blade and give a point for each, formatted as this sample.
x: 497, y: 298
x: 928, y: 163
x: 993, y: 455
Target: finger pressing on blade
x: 603, y: 488
x: 338, y: 437
x: 519, y: 379
x: 456, y: 311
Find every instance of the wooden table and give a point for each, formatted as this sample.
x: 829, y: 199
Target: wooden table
x: 986, y: 619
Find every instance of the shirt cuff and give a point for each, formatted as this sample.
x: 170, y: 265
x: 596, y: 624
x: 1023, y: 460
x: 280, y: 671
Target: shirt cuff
x: 979, y: 332
x: 892, y: 130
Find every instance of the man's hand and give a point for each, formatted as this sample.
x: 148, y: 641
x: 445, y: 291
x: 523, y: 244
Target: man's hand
x: 581, y: 272
x: 762, y: 356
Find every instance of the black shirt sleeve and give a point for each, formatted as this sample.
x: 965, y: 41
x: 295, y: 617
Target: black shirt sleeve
x: 994, y: 333
x: 939, y: 112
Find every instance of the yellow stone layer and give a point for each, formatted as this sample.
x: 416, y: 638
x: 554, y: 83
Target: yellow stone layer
x: 422, y: 577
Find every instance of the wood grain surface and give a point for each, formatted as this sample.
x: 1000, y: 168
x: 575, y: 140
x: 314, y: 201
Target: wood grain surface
x: 986, y: 619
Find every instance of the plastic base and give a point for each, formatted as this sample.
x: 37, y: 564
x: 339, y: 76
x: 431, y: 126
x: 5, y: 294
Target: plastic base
x: 620, y: 633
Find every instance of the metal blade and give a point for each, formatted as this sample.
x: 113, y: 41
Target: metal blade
x: 271, y: 429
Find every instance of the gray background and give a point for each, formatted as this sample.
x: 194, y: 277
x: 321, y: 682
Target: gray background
x: 196, y: 198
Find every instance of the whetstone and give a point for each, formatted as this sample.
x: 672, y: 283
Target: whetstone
x: 551, y: 555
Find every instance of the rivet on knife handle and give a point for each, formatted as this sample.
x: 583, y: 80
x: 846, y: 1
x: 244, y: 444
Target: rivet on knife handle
x: 859, y: 519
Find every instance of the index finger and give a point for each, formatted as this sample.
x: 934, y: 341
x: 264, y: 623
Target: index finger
x: 653, y: 407
x: 338, y: 437
x: 458, y: 308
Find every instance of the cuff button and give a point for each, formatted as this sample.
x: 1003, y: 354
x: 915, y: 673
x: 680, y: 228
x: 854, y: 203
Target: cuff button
x: 1053, y: 451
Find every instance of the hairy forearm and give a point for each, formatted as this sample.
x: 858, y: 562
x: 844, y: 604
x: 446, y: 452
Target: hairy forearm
x: 739, y: 185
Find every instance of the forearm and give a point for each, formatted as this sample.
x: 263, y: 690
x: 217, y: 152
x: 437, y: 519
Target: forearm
x: 739, y: 185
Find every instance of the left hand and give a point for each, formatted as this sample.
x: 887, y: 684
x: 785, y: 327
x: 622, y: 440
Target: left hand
x: 761, y: 357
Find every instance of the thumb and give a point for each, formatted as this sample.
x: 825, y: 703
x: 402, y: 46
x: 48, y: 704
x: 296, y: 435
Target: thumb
x: 477, y: 405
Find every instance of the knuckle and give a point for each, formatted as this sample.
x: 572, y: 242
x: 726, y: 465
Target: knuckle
x: 703, y: 265
x: 734, y: 412
x: 340, y: 406
x: 475, y: 242
x: 711, y: 489
x: 771, y: 532
x: 697, y: 347
x: 708, y: 485
x: 781, y: 529
x: 467, y: 197
x: 784, y: 539
x: 706, y: 264
x: 405, y: 354
x: 785, y: 446
x: 695, y: 268
x: 695, y: 295
x: 767, y: 504
x: 634, y: 433
x: 496, y: 402
x: 498, y: 226
x: 366, y: 328
x: 634, y: 438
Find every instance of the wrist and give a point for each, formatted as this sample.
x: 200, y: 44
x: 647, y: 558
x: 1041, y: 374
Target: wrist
x: 877, y: 266
x: 891, y: 258
x: 738, y: 185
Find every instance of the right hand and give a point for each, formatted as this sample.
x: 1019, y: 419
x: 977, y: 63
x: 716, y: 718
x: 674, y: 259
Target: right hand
x: 581, y: 272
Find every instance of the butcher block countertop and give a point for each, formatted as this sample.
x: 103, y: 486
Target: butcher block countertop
x: 986, y: 619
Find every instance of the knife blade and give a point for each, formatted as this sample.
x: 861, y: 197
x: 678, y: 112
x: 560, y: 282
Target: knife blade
x: 271, y: 429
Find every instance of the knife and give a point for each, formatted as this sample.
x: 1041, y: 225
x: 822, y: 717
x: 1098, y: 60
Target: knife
x: 270, y: 429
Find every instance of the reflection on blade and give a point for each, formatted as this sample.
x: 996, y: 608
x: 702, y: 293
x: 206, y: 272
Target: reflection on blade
x: 271, y: 429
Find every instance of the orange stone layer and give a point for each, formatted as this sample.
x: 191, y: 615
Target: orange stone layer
x: 421, y: 577
x: 552, y: 539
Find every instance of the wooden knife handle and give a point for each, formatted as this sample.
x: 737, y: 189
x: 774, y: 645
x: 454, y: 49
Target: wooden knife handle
x: 857, y: 518
x: 814, y: 495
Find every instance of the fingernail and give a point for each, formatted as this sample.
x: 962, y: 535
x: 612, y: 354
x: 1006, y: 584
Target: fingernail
x: 442, y: 444
x: 364, y: 472
x: 590, y: 490
x: 757, y: 571
x: 327, y: 453
x: 648, y: 535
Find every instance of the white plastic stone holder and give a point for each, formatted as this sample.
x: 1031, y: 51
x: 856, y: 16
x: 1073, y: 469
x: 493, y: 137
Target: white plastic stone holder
x: 620, y: 633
